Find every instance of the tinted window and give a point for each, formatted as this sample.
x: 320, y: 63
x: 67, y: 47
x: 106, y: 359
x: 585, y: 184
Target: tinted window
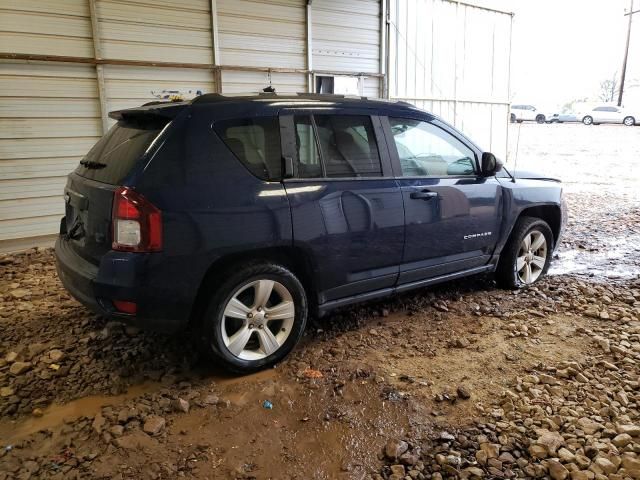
x: 112, y: 158
x: 307, y: 149
x: 427, y: 150
x: 348, y: 146
x: 600, y: 109
x: 256, y: 143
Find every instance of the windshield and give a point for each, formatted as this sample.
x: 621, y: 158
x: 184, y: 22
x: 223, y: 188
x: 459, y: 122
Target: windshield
x: 112, y: 158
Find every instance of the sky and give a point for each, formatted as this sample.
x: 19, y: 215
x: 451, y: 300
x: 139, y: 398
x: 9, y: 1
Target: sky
x: 563, y: 49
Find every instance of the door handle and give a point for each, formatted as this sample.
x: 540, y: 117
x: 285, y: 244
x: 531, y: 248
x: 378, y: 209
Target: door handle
x: 423, y: 195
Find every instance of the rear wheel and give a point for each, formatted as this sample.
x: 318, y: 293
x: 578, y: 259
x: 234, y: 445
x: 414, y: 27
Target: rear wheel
x: 512, y: 118
x: 629, y: 121
x: 587, y: 120
x: 527, y: 255
x: 255, y: 317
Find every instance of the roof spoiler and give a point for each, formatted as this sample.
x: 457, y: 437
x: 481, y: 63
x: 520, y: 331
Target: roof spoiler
x: 154, y: 110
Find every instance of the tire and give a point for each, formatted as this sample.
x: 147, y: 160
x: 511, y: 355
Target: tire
x: 540, y: 119
x: 512, y: 118
x: 520, y: 121
x: 513, y: 255
x: 259, y: 342
x: 588, y: 120
x: 629, y: 121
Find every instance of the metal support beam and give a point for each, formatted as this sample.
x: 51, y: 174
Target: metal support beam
x: 97, y: 53
x: 384, y: 25
x: 309, y: 41
x: 215, y: 39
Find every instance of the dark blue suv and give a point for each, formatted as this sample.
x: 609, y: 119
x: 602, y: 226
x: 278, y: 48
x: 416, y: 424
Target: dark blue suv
x: 238, y: 216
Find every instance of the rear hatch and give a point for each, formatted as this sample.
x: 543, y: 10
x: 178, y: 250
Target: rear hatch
x: 90, y: 188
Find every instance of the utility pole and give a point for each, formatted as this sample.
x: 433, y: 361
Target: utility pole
x: 626, y: 53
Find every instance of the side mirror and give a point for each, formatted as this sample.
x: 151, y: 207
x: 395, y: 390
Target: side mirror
x: 490, y: 164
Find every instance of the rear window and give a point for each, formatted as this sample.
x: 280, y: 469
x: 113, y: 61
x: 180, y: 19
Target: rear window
x: 112, y: 158
x: 256, y: 143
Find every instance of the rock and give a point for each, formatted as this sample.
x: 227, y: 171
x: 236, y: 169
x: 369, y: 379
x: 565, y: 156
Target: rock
x: 581, y: 475
x: 538, y: 451
x: 395, y: 448
x: 180, y: 405
x: 461, y: 342
x: 20, y: 293
x: 6, y: 392
x: 633, y: 430
x: 556, y: 470
x: 398, y: 470
x: 11, y: 357
x: 98, y: 423
x: 211, y: 400
x: 409, y: 458
x: 588, y: 426
x: 474, y: 471
x: 463, y: 392
x: 631, y: 466
x: 604, y: 465
x: 56, y: 355
x: 446, y: 436
x: 18, y: 368
x: 566, y: 456
x: 116, y: 430
x: 491, y: 449
x: 154, y: 424
x: 37, y: 412
x: 550, y: 440
x: 622, y: 440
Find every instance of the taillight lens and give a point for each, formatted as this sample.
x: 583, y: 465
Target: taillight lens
x: 136, y: 223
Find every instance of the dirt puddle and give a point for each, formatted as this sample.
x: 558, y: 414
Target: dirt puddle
x: 55, y: 415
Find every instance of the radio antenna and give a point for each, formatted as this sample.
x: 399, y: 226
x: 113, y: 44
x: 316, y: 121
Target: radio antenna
x: 515, y: 160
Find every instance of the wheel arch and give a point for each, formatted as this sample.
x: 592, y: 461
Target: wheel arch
x: 549, y: 213
x: 293, y: 258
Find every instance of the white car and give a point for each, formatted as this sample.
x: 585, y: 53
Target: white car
x: 609, y: 114
x: 527, y: 113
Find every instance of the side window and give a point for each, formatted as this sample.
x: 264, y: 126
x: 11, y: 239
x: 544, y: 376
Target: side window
x: 600, y: 109
x: 307, y: 149
x: 427, y: 150
x: 348, y: 146
x: 255, y: 142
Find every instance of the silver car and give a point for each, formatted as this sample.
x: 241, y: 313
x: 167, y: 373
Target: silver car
x: 609, y: 114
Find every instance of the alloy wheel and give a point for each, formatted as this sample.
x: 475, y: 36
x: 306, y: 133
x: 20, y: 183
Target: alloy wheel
x: 532, y: 257
x: 257, y: 319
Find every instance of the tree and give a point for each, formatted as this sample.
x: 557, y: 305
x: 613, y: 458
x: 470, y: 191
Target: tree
x: 609, y: 89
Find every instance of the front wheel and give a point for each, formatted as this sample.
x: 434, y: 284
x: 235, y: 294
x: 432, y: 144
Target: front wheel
x: 255, y: 317
x: 527, y: 255
x: 629, y: 121
x: 540, y: 119
x: 587, y: 120
x: 512, y: 118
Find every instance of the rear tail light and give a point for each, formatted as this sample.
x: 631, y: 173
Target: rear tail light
x: 136, y: 223
x: 126, y: 307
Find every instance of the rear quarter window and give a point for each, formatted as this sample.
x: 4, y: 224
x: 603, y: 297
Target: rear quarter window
x: 113, y: 157
x: 255, y: 142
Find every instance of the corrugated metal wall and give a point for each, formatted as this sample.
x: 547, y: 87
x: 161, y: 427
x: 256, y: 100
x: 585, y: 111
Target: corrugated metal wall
x: 346, y: 37
x: 262, y: 33
x: 452, y: 59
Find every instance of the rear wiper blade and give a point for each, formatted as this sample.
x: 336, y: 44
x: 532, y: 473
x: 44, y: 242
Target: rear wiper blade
x: 91, y: 165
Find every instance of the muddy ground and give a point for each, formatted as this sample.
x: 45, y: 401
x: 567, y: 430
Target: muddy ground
x: 462, y: 380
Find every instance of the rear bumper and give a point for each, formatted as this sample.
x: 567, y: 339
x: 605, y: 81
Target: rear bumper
x: 120, y: 276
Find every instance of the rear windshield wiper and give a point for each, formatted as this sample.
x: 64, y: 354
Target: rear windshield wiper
x: 91, y: 165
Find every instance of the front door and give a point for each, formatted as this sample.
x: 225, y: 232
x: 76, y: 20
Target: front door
x: 452, y: 214
x: 346, y: 208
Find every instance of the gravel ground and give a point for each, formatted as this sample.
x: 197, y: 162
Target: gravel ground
x: 459, y: 381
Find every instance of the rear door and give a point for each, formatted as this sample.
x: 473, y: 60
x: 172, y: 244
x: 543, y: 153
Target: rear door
x: 452, y: 213
x: 346, y: 208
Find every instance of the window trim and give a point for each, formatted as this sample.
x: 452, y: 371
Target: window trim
x: 393, y: 150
